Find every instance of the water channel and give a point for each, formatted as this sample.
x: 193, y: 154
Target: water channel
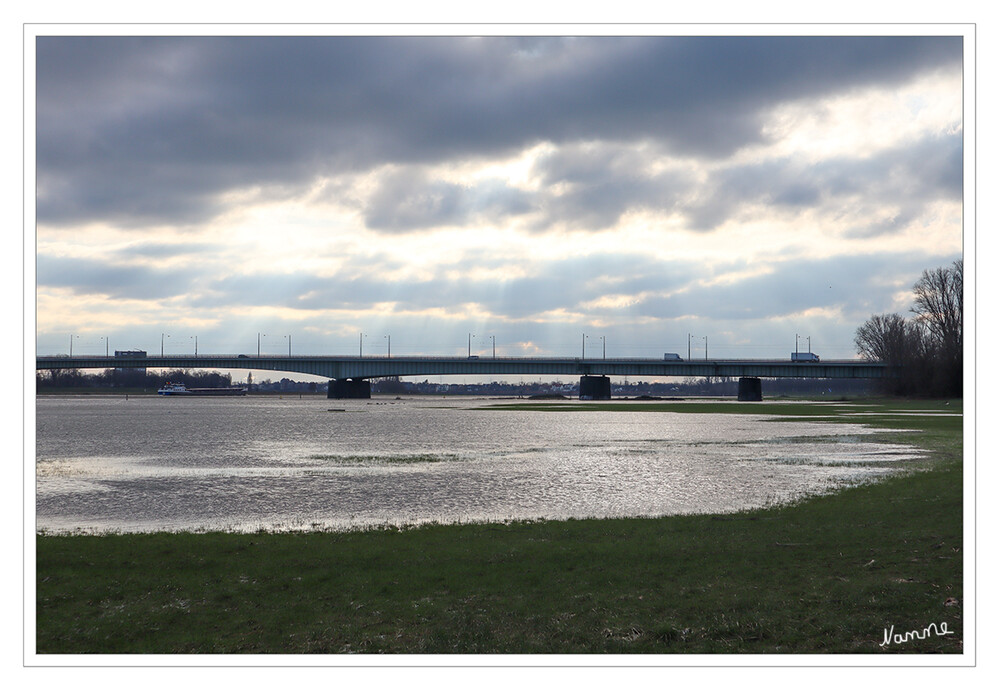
x: 107, y: 463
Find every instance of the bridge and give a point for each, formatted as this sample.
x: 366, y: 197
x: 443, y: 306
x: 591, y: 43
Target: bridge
x: 349, y: 376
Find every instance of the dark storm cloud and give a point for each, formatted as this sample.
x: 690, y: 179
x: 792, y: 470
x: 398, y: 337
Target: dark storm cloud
x: 98, y: 277
x: 165, y: 250
x: 146, y: 130
x: 908, y: 177
x: 856, y: 284
x: 591, y: 186
x: 410, y: 200
x: 117, y: 274
x: 555, y: 285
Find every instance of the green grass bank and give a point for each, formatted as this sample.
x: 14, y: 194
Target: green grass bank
x: 827, y: 575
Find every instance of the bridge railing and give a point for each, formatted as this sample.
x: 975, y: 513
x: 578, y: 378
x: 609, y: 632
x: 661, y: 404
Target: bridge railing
x: 448, y: 358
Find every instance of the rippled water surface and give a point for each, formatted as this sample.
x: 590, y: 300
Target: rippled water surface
x: 150, y: 463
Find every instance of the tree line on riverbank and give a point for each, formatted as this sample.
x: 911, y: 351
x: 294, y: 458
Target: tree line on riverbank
x: 925, y: 353
x: 723, y: 386
x: 134, y: 379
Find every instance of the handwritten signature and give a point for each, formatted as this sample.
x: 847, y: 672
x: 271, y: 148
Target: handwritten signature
x: 898, y: 638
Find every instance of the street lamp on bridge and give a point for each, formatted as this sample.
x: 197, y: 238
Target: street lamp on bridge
x: 689, y: 337
x: 163, y: 337
x: 389, y: 344
x: 360, y: 344
x: 470, y: 345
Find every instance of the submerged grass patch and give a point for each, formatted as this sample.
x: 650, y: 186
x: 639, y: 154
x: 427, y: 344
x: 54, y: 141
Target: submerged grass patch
x: 384, y: 459
x: 829, y: 409
x: 826, y: 575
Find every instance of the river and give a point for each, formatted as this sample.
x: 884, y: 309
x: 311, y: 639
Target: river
x: 145, y: 463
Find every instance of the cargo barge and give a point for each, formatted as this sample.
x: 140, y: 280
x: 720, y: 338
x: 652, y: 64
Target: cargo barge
x: 181, y: 389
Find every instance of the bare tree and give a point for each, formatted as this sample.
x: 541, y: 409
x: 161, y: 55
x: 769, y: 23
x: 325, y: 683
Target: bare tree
x: 925, y: 354
x: 900, y: 344
x: 939, y: 305
x: 886, y: 338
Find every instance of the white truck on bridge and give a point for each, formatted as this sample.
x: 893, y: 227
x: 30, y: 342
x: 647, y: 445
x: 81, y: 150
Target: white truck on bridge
x: 804, y: 357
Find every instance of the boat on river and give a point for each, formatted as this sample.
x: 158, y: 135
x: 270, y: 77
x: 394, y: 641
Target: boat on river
x: 181, y: 389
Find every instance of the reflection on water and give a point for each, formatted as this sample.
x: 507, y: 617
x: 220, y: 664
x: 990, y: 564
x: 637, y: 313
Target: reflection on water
x: 150, y: 463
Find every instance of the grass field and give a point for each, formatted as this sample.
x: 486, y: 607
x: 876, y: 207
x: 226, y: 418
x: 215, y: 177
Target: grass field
x: 827, y: 575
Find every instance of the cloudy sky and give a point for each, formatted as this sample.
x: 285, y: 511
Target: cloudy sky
x: 649, y: 192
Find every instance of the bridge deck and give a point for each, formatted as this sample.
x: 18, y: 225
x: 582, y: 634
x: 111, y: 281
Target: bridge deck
x: 343, y: 367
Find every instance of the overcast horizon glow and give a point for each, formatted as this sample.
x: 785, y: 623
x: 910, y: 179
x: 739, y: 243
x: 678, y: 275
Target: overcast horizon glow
x: 641, y: 190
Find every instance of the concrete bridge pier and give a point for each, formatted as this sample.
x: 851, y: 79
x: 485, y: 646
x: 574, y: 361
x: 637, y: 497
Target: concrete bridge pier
x: 594, y: 388
x: 349, y: 388
x: 750, y: 389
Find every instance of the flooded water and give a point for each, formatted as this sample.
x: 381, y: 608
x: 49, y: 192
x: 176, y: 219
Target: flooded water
x: 156, y: 463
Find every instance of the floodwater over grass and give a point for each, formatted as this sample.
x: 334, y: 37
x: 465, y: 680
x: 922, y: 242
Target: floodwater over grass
x: 834, y: 574
x: 245, y: 464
